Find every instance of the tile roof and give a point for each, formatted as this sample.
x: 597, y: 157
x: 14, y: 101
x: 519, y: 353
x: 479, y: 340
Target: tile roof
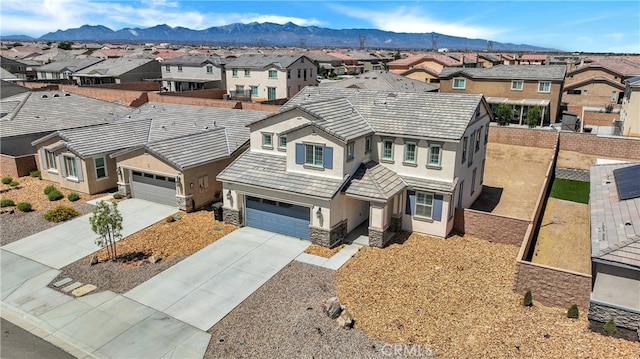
x: 254, y: 61
x: 533, y: 57
x: 590, y: 80
x: 113, y: 67
x: 269, y: 171
x: 520, y: 72
x: 6, y: 75
x: 615, y: 224
x: 381, y: 81
x: 72, y: 65
x: 58, y: 110
x: 424, y: 114
x: 373, y: 180
x: 619, y: 66
x: 8, y: 89
x: 413, y: 59
x: 430, y: 184
x: 196, y: 60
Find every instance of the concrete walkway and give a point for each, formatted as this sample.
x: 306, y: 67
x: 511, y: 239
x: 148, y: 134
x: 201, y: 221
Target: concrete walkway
x: 202, y: 289
x: 68, y: 242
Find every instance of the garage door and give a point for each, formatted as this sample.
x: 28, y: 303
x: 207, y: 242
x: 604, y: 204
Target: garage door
x: 154, y: 188
x: 278, y: 217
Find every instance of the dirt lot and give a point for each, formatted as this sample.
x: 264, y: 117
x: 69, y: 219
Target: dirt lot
x: 563, y: 240
x: 456, y: 296
x: 513, y: 178
x: 577, y: 160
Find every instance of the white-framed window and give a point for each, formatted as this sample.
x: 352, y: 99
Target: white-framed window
x: 43, y: 75
x: 234, y: 73
x: 167, y: 68
x: 434, y: 154
x: 350, y: 151
x: 101, y: 167
x: 179, y: 68
x: 240, y: 89
x: 367, y: 144
x: 267, y: 139
x: 614, y: 95
x: 271, y: 93
x: 544, y: 86
x: 424, y: 204
x: 254, y: 90
x: 313, y: 155
x: 247, y: 73
x: 209, y: 69
x: 478, y: 136
x: 410, y: 152
x: 459, y: 83
x: 51, y: 160
x: 299, y: 73
x: 71, y: 166
x: 282, y: 142
x: 387, y: 149
x: 56, y: 75
x: 464, y: 149
x: 273, y: 74
x: 461, y: 194
x: 585, y: 92
x: 517, y: 85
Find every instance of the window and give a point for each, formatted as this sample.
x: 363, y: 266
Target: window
x: 387, y: 149
x: 517, y: 85
x: 288, y: 74
x: 424, y: 204
x: 585, y: 92
x: 273, y: 74
x: 209, y: 69
x: 478, y: 135
x: 43, y: 75
x: 459, y: 83
x: 240, y: 89
x: 247, y: 73
x: 410, y: 152
x: 470, y: 152
x: 167, y: 68
x: 461, y: 194
x: 51, y: 161
x: 179, y: 68
x: 305, y: 74
x: 71, y: 168
x: 234, y: 73
x: 267, y: 140
x: 544, y: 86
x: 464, y: 149
x: 613, y: 96
x: 254, y: 90
x: 473, y: 180
x: 367, y: 144
x: 101, y: 167
x: 486, y: 135
x: 282, y: 142
x: 434, y: 155
x: 350, y: 151
x: 271, y: 93
x: 313, y: 155
x: 299, y: 73
x: 56, y: 75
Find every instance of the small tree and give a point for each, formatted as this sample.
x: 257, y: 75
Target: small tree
x: 503, y: 114
x: 397, y: 56
x: 573, y: 312
x: 65, y: 45
x: 106, y: 221
x: 610, y: 327
x: 534, y: 116
x: 527, y: 301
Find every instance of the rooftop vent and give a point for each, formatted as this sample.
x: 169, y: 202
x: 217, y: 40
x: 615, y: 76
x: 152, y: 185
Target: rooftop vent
x: 45, y: 96
x: 67, y: 95
x: 56, y: 95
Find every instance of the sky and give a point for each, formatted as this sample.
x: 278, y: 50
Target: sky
x: 567, y: 25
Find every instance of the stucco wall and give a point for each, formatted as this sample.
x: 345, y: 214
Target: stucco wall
x: 17, y: 166
x: 140, y: 160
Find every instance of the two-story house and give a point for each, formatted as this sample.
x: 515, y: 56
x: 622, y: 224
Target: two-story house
x: 193, y: 72
x: 520, y: 86
x: 269, y: 77
x: 332, y: 160
x: 422, y: 67
x: 630, y: 109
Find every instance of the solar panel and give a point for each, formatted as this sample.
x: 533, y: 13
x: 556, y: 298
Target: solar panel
x: 628, y: 182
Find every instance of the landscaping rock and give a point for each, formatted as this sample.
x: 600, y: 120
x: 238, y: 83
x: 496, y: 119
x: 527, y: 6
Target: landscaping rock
x: 94, y: 260
x: 345, y: 320
x: 332, y: 307
x: 154, y: 259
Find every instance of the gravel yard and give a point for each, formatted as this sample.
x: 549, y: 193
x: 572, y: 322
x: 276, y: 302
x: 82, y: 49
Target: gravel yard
x: 456, y: 295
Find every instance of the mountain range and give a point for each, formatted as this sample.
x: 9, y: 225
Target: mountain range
x: 270, y: 34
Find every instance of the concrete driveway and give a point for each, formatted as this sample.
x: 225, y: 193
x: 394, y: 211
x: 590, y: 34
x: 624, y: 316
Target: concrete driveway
x: 68, y: 242
x: 202, y: 289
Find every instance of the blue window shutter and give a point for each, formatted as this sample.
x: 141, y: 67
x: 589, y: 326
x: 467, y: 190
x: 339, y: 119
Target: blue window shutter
x: 411, y: 202
x: 327, y: 157
x: 437, y: 207
x: 299, y: 153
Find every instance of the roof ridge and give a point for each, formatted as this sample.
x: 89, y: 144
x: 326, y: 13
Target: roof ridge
x: 617, y: 246
x: 18, y: 108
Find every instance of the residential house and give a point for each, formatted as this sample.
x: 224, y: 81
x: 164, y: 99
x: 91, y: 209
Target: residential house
x: 350, y: 65
x: 328, y: 66
x: 9, y: 88
x: 269, y: 77
x: 422, y: 67
x: 369, y: 61
x: 333, y: 159
x: 119, y: 70
x: 614, y: 202
x: 23, y: 69
x: 534, y: 59
x: 630, y: 111
x: 8, y: 76
x: 166, y: 153
x: 519, y: 86
x: 193, y: 72
x: 64, y: 70
x: 381, y: 81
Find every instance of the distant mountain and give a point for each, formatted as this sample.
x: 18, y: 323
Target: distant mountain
x: 289, y: 34
x: 17, y: 38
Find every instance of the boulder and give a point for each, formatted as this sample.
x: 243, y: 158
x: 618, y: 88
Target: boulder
x: 94, y: 260
x: 332, y: 307
x: 154, y: 259
x: 345, y: 320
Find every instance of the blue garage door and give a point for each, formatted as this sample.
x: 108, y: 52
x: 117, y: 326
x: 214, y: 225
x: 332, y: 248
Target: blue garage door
x: 278, y: 217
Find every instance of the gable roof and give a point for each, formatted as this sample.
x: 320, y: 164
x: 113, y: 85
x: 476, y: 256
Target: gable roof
x: 414, y: 59
x: 509, y: 72
x: 113, y: 67
x: 8, y: 89
x: 72, y: 65
x: 381, y: 80
x: 373, y: 180
x: 620, y: 67
x: 590, y: 80
x: 196, y: 60
x: 256, y: 61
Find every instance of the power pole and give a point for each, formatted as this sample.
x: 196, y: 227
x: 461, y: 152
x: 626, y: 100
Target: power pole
x: 489, y: 46
x: 362, y: 39
x: 434, y: 41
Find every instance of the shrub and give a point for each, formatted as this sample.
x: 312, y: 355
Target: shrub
x: 36, y: 174
x: 527, y: 301
x: 14, y: 183
x: 572, y: 312
x: 610, y: 327
x: 60, y: 214
x: 73, y: 197
x: 7, y: 179
x: 24, y: 207
x: 170, y: 219
x: 117, y: 195
x: 49, y: 189
x: 55, y: 195
x: 6, y: 203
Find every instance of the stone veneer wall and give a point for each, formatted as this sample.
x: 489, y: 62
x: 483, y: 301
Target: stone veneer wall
x: 490, y: 227
x: 623, y: 318
x: 376, y: 238
x: 124, y: 189
x: 231, y: 216
x: 331, y: 238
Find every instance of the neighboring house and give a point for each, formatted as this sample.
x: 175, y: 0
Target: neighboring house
x: 381, y: 81
x: 328, y: 66
x: 269, y: 77
x: 519, y: 86
x: 350, y: 65
x: 614, y: 203
x: 369, y: 61
x: 630, y: 111
x: 332, y: 160
x: 8, y: 89
x: 64, y: 69
x: 117, y: 71
x: 422, y: 67
x: 193, y: 72
x: 23, y: 69
x: 166, y: 153
x: 534, y: 59
x: 8, y: 76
